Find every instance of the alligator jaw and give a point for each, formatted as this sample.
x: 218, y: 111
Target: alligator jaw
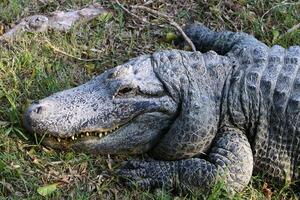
x: 52, y: 140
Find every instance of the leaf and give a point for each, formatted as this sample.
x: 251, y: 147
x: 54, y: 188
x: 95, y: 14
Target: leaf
x: 170, y: 36
x: 105, y: 17
x: 2, y: 29
x: 276, y: 35
x: 47, y: 189
x: 90, y: 68
x: 267, y: 191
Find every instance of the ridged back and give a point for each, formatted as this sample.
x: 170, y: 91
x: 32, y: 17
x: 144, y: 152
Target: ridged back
x: 264, y: 100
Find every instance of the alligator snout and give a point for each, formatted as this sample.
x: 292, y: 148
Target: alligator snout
x: 31, y: 113
x: 35, y: 108
x: 35, y: 113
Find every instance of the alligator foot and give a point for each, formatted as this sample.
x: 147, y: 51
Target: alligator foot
x: 149, y: 174
x: 230, y: 160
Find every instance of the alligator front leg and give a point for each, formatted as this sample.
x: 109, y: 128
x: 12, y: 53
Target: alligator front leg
x: 230, y: 159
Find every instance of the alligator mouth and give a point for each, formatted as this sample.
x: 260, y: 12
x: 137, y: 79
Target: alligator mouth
x: 83, y: 135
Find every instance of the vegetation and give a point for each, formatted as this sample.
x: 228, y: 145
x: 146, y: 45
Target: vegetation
x: 35, y: 65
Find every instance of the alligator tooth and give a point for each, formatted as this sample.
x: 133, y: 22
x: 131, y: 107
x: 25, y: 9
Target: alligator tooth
x: 58, y: 139
x: 100, y: 135
x: 87, y: 134
x: 73, y: 137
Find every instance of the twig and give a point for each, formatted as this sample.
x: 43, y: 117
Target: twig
x: 171, y: 21
x: 148, y: 2
x: 134, y: 15
x: 4, y: 123
x: 283, y: 3
x: 130, y: 13
x: 294, y: 28
x: 67, y: 54
x: 7, y: 186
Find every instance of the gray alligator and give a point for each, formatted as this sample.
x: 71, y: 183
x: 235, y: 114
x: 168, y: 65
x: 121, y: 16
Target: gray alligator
x: 226, y: 113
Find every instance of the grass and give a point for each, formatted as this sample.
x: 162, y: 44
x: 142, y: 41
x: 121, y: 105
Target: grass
x: 30, y: 69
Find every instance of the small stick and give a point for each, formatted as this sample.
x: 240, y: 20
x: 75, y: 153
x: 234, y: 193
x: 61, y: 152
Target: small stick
x: 69, y: 55
x: 294, y: 28
x: 171, y: 21
x: 148, y: 2
x: 130, y: 13
x: 283, y: 3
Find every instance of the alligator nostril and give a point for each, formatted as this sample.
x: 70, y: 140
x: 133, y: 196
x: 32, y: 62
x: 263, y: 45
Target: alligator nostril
x: 38, y: 110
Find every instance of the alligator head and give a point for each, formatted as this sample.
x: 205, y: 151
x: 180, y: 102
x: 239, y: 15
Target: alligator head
x: 126, y: 109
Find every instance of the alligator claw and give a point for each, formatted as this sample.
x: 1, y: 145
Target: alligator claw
x: 145, y: 184
x: 132, y: 164
x: 147, y: 174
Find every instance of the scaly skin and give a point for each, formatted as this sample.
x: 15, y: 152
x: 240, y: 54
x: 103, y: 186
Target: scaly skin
x: 261, y: 98
x: 201, y: 116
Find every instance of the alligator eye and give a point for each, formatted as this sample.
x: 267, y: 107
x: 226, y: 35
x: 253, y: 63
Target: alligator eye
x: 126, y: 91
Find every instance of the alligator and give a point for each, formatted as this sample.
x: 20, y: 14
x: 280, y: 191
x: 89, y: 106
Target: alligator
x: 223, y: 112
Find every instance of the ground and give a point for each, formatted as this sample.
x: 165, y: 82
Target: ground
x: 36, y: 65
